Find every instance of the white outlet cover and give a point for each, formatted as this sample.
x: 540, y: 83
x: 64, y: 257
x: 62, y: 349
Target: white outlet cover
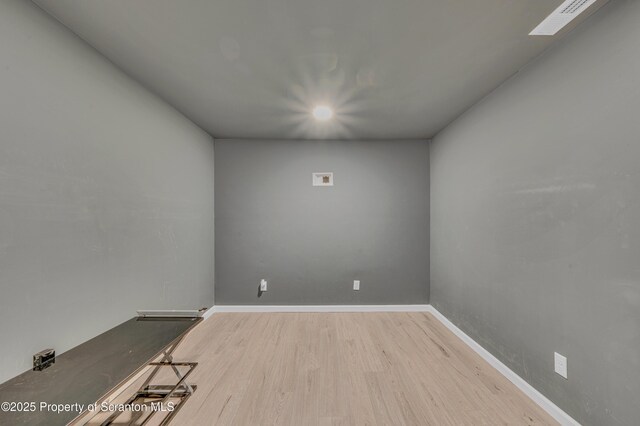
x: 322, y: 178
x: 356, y: 284
x: 263, y: 285
x: 560, y: 363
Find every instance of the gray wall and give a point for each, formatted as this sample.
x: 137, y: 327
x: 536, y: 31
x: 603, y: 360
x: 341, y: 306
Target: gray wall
x: 310, y: 243
x: 535, y: 220
x: 106, y: 194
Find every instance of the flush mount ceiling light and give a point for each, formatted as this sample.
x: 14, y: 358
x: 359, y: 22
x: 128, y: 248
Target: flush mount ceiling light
x: 560, y: 17
x: 322, y: 113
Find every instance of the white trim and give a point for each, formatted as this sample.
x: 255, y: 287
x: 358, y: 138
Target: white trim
x: 554, y: 411
x: 544, y: 402
x: 171, y: 313
x: 317, y: 308
x: 207, y: 314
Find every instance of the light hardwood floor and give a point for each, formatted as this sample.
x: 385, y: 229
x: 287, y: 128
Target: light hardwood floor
x: 343, y: 369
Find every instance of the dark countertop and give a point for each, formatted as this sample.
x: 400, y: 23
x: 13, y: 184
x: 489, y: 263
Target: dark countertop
x: 87, y: 372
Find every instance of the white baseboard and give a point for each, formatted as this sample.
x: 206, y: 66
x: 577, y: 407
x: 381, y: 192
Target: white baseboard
x: 544, y: 402
x: 317, y: 308
x: 207, y: 314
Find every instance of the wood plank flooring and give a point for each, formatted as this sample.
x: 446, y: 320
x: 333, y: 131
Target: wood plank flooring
x: 343, y: 369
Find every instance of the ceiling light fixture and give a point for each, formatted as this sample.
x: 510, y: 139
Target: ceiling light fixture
x: 322, y: 113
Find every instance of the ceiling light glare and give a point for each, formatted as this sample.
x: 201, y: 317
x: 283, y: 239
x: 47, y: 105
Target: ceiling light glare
x: 322, y: 113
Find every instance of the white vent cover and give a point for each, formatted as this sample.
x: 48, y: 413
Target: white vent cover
x: 322, y: 179
x: 562, y: 16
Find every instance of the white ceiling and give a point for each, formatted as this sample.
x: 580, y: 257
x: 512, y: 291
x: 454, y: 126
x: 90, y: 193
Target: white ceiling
x: 256, y: 68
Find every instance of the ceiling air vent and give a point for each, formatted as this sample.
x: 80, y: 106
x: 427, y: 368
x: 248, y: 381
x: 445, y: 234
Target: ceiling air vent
x: 562, y: 16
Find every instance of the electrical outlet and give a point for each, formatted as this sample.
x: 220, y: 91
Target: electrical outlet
x: 263, y: 285
x: 560, y: 363
x: 44, y: 359
x: 356, y: 285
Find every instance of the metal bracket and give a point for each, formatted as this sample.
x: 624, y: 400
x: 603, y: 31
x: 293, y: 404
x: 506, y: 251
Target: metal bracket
x: 160, y: 394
